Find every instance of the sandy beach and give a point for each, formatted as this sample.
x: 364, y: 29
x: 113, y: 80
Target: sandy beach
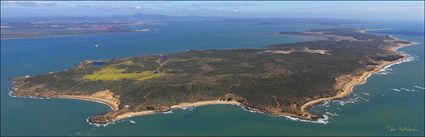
x: 345, y: 85
x: 113, y: 104
x: 106, y: 97
x: 348, y: 87
x: 178, y: 106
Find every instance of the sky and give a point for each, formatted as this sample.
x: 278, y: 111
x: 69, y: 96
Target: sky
x: 407, y: 10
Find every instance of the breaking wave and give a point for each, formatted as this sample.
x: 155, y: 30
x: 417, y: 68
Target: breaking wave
x: 394, y: 89
x: 419, y: 87
x: 408, y: 90
x: 168, y: 112
x: 324, y: 120
x: 414, y: 88
x: 353, y: 98
x: 387, y: 70
x: 188, y: 108
x: 110, y: 123
x: 10, y: 93
x: 100, y: 125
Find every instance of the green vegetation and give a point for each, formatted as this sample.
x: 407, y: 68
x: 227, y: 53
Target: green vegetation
x: 269, y: 82
x: 110, y: 73
x: 195, y: 59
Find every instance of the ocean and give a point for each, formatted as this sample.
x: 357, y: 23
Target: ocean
x: 390, y: 103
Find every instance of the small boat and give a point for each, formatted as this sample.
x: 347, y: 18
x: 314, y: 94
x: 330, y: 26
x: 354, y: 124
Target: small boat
x: 96, y: 45
x: 132, y: 122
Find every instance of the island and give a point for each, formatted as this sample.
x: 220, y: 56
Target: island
x: 12, y: 28
x: 280, y: 80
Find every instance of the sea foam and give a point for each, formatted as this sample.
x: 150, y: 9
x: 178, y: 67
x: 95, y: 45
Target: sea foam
x: 168, y: 112
x: 387, y: 70
x: 398, y: 90
x: 324, y: 120
x: 419, y: 87
x: 406, y: 89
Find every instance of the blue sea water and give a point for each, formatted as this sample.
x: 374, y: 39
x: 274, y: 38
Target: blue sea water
x: 374, y: 108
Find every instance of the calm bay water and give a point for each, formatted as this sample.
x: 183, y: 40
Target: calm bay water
x: 374, y: 108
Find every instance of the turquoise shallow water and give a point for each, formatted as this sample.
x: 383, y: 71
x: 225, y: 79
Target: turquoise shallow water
x: 374, y: 108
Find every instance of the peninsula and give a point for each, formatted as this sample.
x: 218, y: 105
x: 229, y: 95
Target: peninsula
x: 281, y: 79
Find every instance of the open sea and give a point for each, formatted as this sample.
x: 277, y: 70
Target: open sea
x: 390, y: 103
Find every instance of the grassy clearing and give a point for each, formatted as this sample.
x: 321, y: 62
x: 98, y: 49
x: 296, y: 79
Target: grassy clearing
x: 110, y: 73
x: 127, y: 62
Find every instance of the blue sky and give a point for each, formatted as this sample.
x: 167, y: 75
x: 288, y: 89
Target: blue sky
x: 409, y: 10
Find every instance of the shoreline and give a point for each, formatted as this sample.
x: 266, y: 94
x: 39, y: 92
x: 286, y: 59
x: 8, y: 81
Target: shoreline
x: 347, y: 88
x: 43, y: 36
x: 362, y: 79
x: 178, y: 106
x: 60, y: 35
x: 112, y: 105
x: 305, y: 117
